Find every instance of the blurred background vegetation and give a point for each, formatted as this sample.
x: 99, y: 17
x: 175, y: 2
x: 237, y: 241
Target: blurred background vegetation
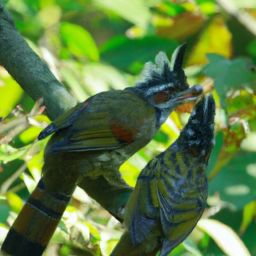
x: 97, y: 45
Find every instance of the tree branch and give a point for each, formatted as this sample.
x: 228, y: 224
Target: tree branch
x: 28, y: 70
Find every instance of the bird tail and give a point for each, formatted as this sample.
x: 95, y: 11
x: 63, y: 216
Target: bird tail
x: 36, y: 223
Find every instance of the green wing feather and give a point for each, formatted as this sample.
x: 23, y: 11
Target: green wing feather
x: 100, y: 123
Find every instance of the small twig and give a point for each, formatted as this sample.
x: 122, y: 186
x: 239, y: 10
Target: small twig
x: 5, y: 186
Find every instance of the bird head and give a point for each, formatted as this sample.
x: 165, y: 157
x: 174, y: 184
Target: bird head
x: 164, y: 84
x: 197, y: 137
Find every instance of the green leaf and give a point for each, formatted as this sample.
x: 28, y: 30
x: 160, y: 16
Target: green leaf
x: 4, y: 211
x: 131, y: 54
x: 224, y: 237
x: 79, y: 41
x: 135, y: 11
x: 30, y: 134
x: 229, y: 74
x: 14, y: 201
x: 235, y: 183
x: 9, y: 153
x: 191, y: 247
x: 10, y: 94
x: 248, y: 214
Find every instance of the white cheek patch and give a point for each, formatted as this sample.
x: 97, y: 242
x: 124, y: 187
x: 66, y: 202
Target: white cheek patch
x: 158, y: 88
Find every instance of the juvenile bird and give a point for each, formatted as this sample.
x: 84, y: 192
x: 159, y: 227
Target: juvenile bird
x: 91, y: 141
x: 171, y: 191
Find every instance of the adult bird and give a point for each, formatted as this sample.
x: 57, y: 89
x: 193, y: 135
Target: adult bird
x: 171, y: 191
x: 91, y: 141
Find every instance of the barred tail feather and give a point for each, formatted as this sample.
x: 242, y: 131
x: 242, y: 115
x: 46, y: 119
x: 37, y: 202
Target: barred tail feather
x: 36, y: 223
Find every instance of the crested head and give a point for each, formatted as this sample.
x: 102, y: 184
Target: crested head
x: 163, y: 74
x: 197, y: 136
x: 164, y: 84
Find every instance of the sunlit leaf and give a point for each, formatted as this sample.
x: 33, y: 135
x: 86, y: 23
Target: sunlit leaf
x: 14, y: 201
x: 245, y: 3
x: 30, y: 134
x: 249, y: 143
x: 207, y: 6
x: 175, y: 27
x: 79, y: 41
x: 29, y: 182
x: 130, y: 171
x: 215, y: 38
x: 93, y: 230
x: 9, y: 153
x: 224, y: 237
x: 170, y: 8
x: 248, y: 214
x: 135, y: 11
x: 50, y: 15
x: 108, y: 246
x: 10, y: 94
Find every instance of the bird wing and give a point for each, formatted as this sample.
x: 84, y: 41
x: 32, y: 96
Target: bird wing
x: 84, y: 130
x: 64, y: 120
x: 178, y: 215
x: 140, y: 212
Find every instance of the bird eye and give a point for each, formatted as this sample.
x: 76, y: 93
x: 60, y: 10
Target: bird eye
x: 161, y: 97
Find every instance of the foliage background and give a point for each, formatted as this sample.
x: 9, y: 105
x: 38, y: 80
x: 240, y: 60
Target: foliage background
x: 97, y: 45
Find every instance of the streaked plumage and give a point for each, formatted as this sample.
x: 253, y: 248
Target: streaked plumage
x: 171, y: 191
x: 92, y: 140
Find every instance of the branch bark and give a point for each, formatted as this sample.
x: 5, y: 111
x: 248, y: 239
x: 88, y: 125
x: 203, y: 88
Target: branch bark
x: 29, y: 70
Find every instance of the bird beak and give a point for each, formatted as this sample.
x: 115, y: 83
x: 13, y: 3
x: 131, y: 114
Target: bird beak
x: 189, y: 95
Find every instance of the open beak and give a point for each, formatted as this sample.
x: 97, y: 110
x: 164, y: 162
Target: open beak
x: 189, y: 95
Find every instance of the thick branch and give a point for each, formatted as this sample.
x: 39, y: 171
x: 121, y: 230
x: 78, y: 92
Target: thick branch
x: 28, y: 69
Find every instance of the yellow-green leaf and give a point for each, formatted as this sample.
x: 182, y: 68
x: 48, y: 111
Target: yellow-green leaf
x: 14, y: 201
x: 79, y: 41
x: 248, y: 214
x: 215, y: 38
